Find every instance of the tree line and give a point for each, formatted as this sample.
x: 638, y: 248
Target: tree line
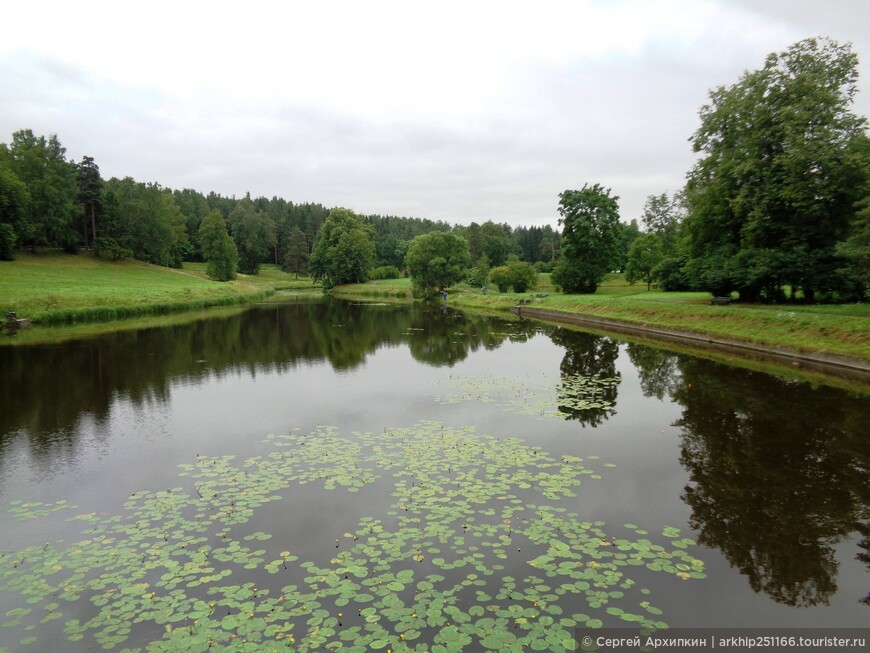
x: 48, y: 201
x: 777, y: 207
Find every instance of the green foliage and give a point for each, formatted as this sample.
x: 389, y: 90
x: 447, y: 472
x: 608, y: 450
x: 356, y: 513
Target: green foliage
x: 391, y: 250
x: 344, y: 251
x: 436, y: 260
x: 856, y: 248
x: 194, y: 206
x: 7, y: 242
x: 90, y: 187
x: 114, y: 241
x: 106, y: 246
x: 148, y: 222
x: 590, y: 238
x: 784, y: 161
x: 522, y: 276
x: 671, y: 275
x: 663, y: 217
x: 254, y: 234
x: 14, y: 206
x: 643, y: 257
x: 385, y: 272
x: 478, y: 275
x: 628, y: 234
x: 41, y: 165
x: 496, y: 242
x: 500, y: 277
x: 296, y: 258
x: 218, y: 248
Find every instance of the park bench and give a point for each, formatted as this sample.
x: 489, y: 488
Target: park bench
x: 720, y: 301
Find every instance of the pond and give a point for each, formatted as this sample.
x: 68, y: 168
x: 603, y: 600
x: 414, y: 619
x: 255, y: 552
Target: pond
x: 322, y: 475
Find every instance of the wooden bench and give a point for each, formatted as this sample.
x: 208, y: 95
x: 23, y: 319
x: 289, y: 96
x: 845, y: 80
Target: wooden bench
x: 720, y: 301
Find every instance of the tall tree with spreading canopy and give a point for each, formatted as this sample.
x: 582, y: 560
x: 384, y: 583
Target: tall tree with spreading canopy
x: 436, y: 260
x: 590, y: 238
x: 344, y: 251
x: 784, y: 162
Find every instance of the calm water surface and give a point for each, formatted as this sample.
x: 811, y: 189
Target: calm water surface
x: 769, y: 477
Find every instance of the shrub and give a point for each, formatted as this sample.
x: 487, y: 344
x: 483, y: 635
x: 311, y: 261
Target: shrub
x: 385, y: 272
x: 522, y: 276
x: 500, y: 276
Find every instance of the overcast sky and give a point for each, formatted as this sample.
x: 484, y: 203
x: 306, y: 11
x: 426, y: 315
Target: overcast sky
x: 456, y: 111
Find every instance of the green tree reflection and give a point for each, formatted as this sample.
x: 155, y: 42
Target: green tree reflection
x: 657, y: 370
x: 587, y: 355
x: 776, y: 482
x: 49, y: 391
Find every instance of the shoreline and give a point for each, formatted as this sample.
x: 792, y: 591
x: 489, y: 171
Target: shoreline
x: 854, y: 369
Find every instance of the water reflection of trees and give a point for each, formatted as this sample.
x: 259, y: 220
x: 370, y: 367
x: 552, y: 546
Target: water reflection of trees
x: 445, y: 337
x: 49, y: 390
x: 657, y: 370
x: 780, y: 471
x: 587, y: 355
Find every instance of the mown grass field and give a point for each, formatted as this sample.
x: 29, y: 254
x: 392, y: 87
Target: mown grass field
x: 53, y: 288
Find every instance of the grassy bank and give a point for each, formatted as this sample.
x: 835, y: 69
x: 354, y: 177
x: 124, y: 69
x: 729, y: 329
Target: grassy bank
x: 843, y: 329
x: 56, y: 288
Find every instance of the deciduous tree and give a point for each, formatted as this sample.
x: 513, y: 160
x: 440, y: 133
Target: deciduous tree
x: 254, y: 234
x: 344, y: 251
x: 590, y: 238
x: 14, y: 212
x: 41, y: 164
x: 436, y: 260
x: 643, y: 257
x: 784, y: 159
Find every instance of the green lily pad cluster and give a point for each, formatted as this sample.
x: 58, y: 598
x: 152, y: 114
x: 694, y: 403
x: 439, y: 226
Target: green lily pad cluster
x: 24, y: 510
x: 177, y: 570
x: 572, y: 392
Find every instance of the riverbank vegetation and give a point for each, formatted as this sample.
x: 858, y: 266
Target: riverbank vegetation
x: 57, y: 288
x: 841, y: 329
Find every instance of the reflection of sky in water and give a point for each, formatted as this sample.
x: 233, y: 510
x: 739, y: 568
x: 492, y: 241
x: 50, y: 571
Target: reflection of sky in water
x: 219, y: 407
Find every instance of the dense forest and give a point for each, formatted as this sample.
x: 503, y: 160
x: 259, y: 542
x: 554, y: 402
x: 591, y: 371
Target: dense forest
x: 776, y: 208
x: 49, y: 201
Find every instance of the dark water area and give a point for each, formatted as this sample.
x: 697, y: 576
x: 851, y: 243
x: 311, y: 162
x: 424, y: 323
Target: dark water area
x: 503, y: 478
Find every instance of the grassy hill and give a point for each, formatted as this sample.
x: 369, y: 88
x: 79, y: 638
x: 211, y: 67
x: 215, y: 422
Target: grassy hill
x: 52, y: 287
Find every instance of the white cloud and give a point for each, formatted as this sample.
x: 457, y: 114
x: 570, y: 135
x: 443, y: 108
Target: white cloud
x: 447, y: 110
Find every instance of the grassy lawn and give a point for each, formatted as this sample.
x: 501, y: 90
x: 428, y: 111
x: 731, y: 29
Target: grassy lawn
x: 51, y: 287
x: 381, y: 289
x: 835, y: 329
